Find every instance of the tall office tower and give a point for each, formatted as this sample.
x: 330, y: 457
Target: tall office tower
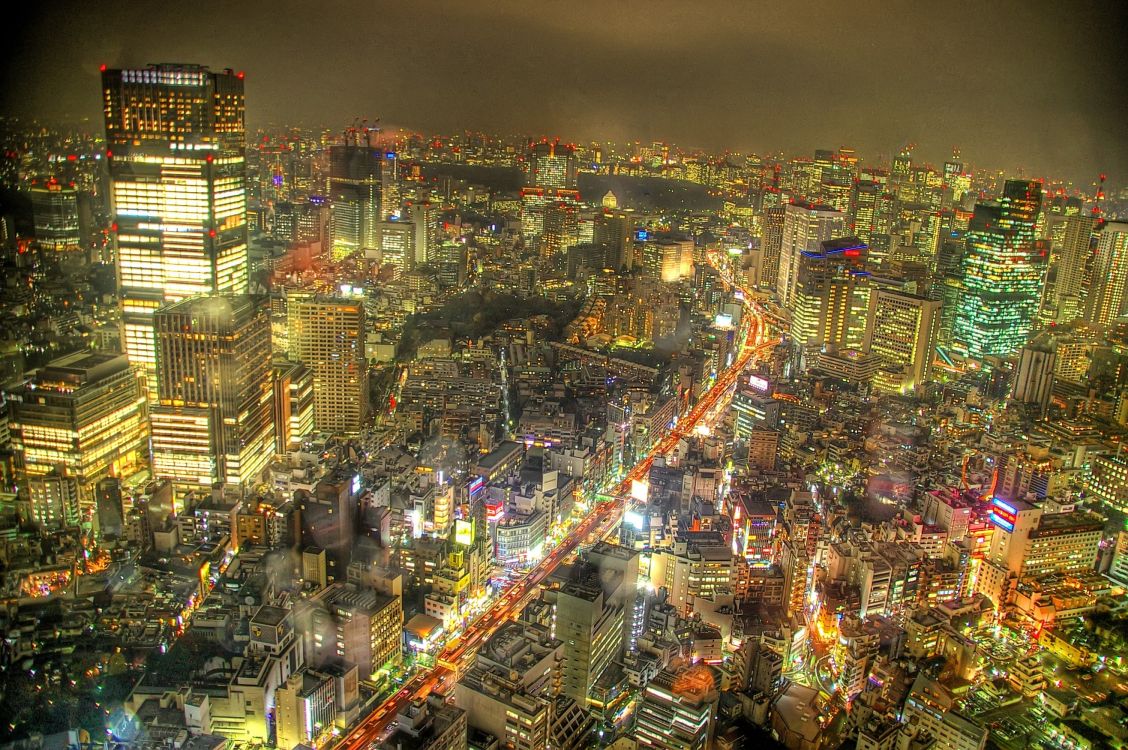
x: 82, y: 416
x: 1002, y: 273
x: 550, y: 178
x: 61, y: 214
x: 594, y: 616
x: 551, y: 165
x: 902, y: 166
x: 612, y: 234
x: 805, y: 225
x: 561, y: 228
x: 391, y: 199
x: 902, y: 329
x: 771, y: 241
x: 425, y: 217
x: 828, y: 285
x: 677, y: 709
x: 175, y: 149
x: 293, y: 404
x: 354, y: 197
x: 397, y: 245
x: 213, y: 422
x: 871, y: 218
x: 327, y: 335
x: 1073, y: 266
x: 1105, y: 301
x: 1034, y: 375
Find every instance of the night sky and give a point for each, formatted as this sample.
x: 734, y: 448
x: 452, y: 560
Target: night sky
x: 1029, y: 85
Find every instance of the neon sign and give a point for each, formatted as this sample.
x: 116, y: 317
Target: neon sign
x: 1003, y: 514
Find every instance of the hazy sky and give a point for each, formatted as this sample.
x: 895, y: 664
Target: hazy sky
x: 1027, y: 85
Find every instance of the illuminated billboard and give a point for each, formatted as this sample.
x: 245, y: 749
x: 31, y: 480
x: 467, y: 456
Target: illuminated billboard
x: 639, y: 490
x: 1002, y: 514
x: 759, y: 383
x: 464, y: 532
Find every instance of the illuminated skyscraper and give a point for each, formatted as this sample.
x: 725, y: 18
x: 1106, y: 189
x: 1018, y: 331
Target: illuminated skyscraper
x: 327, y: 335
x: 1074, y: 266
x: 293, y: 404
x: 175, y: 147
x: 81, y: 416
x: 1106, y: 298
x: 1002, y: 273
x: 826, y: 307
x: 213, y: 422
x: 771, y: 242
x: 805, y: 225
x: 902, y: 330
x: 354, y: 194
x: 552, y: 165
x: 551, y: 180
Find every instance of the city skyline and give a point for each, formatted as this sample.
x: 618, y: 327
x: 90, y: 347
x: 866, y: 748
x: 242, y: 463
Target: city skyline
x: 1045, y: 100
x: 356, y: 438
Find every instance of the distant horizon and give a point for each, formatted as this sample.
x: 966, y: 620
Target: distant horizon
x: 1032, y: 88
x: 880, y: 160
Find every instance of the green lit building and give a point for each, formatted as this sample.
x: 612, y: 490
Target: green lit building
x: 1002, y: 274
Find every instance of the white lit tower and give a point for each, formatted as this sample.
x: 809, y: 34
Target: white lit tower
x: 175, y: 142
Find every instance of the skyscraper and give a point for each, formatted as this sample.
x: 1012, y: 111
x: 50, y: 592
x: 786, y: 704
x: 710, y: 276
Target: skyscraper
x: 902, y: 329
x: 82, y: 416
x: 214, y: 417
x: 327, y: 335
x: 354, y: 195
x: 1074, y: 266
x: 61, y: 214
x: 552, y: 165
x: 1002, y: 273
x: 825, y: 303
x: 1105, y: 300
x: 805, y: 225
x: 175, y: 148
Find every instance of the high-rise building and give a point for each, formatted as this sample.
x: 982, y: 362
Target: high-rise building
x: 213, y: 422
x: 902, y: 330
x: 82, y: 416
x: 327, y: 335
x: 827, y: 294
x: 175, y: 149
x: 1106, y: 298
x: 1002, y: 273
x: 871, y: 218
x: 552, y: 165
x: 1073, y: 267
x: 344, y: 622
x: 397, y: 245
x: 61, y: 215
x: 354, y: 194
x: 594, y: 616
x: 424, y: 217
x: 612, y: 234
x: 293, y: 404
x: 805, y: 225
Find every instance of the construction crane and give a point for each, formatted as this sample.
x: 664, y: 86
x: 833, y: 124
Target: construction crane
x: 1098, y: 212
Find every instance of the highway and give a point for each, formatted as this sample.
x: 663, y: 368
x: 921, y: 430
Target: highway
x: 458, y: 656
